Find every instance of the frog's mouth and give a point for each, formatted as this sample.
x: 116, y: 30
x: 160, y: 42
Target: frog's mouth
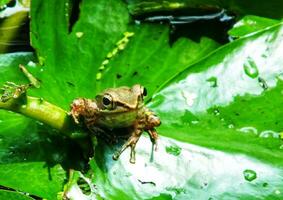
x: 117, y: 110
x: 121, y: 109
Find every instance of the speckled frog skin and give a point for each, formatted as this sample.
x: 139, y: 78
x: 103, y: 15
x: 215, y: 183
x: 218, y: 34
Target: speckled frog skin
x: 121, y: 107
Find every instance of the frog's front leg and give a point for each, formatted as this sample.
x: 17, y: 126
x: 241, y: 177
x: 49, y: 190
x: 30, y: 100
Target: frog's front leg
x: 131, y: 142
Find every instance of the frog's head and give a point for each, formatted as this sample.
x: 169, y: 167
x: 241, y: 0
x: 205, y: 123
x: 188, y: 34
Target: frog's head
x: 121, y: 99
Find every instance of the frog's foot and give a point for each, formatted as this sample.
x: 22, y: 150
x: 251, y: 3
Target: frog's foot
x: 153, y: 137
x: 131, y: 142
x: 12, y: 90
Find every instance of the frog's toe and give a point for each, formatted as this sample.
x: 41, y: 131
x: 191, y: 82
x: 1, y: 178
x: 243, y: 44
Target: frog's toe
x: 153, y: 137
x: 115, y: 156
x: 133, y: 154
x: 132, y: 141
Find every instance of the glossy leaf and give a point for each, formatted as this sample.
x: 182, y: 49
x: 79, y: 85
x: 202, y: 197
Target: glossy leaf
x: 238, y: 115
x: 46, y: 182
x: 13, y: 195
x: 250, y: 24
x: 241, y: 101
x: 101, y: 30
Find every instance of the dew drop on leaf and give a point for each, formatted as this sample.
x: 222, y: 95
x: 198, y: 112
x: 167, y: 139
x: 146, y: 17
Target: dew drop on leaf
x: 174, y: 150
x: 265, y: 184
x: 269, y: 134
x: 277, y: 192
x: 249, y: 129
x: 262, y: 83
x: 216, y: 112
x: 79, y: 34
x: 250, y: 175
x: 250, y: 68
x: 212, y: 81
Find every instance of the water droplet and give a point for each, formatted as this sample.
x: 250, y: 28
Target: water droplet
x: 265, y: 184
x: 250, y: 175
x: 189, y: 97
x: 31, y: 64
x: 174, y: 150
x: 249, y: 130
x: 216, y: 112
x: 39, y: 123
x: 231, y: 126
x: 262, y: 83
x: 281, y: 146
x: 277, y: 192
x: 137, y: 22
x: 79, y: 34
x: 195, y: 122
x: 1, y: 121
x: 212, y: 81
x: 250, y: 68
x: 269, y: 134
x: 222, y: 119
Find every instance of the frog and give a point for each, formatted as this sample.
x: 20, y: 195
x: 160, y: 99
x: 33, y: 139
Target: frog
x: 121, y: 107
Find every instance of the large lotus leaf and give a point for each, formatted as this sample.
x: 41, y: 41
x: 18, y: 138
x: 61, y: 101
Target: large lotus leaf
x: 242, y: 89
x: 270, y: 8
x: 229, y: 101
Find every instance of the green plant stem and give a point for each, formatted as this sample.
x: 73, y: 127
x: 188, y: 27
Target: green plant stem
x: 43, y: 111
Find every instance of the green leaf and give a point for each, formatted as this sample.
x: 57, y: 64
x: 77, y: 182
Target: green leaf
x: 240, y: 103
x: 29, y: 177
x: 13, y: 195
x: 100, y: 30
x: 250, y: 24
x: 239, y: 117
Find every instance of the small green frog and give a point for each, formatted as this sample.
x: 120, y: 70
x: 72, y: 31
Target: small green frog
x: 121, y: 107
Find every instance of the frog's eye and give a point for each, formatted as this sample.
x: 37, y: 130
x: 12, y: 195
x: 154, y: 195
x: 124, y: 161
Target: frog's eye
x: 144, y: 93
x: 107, y: 102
